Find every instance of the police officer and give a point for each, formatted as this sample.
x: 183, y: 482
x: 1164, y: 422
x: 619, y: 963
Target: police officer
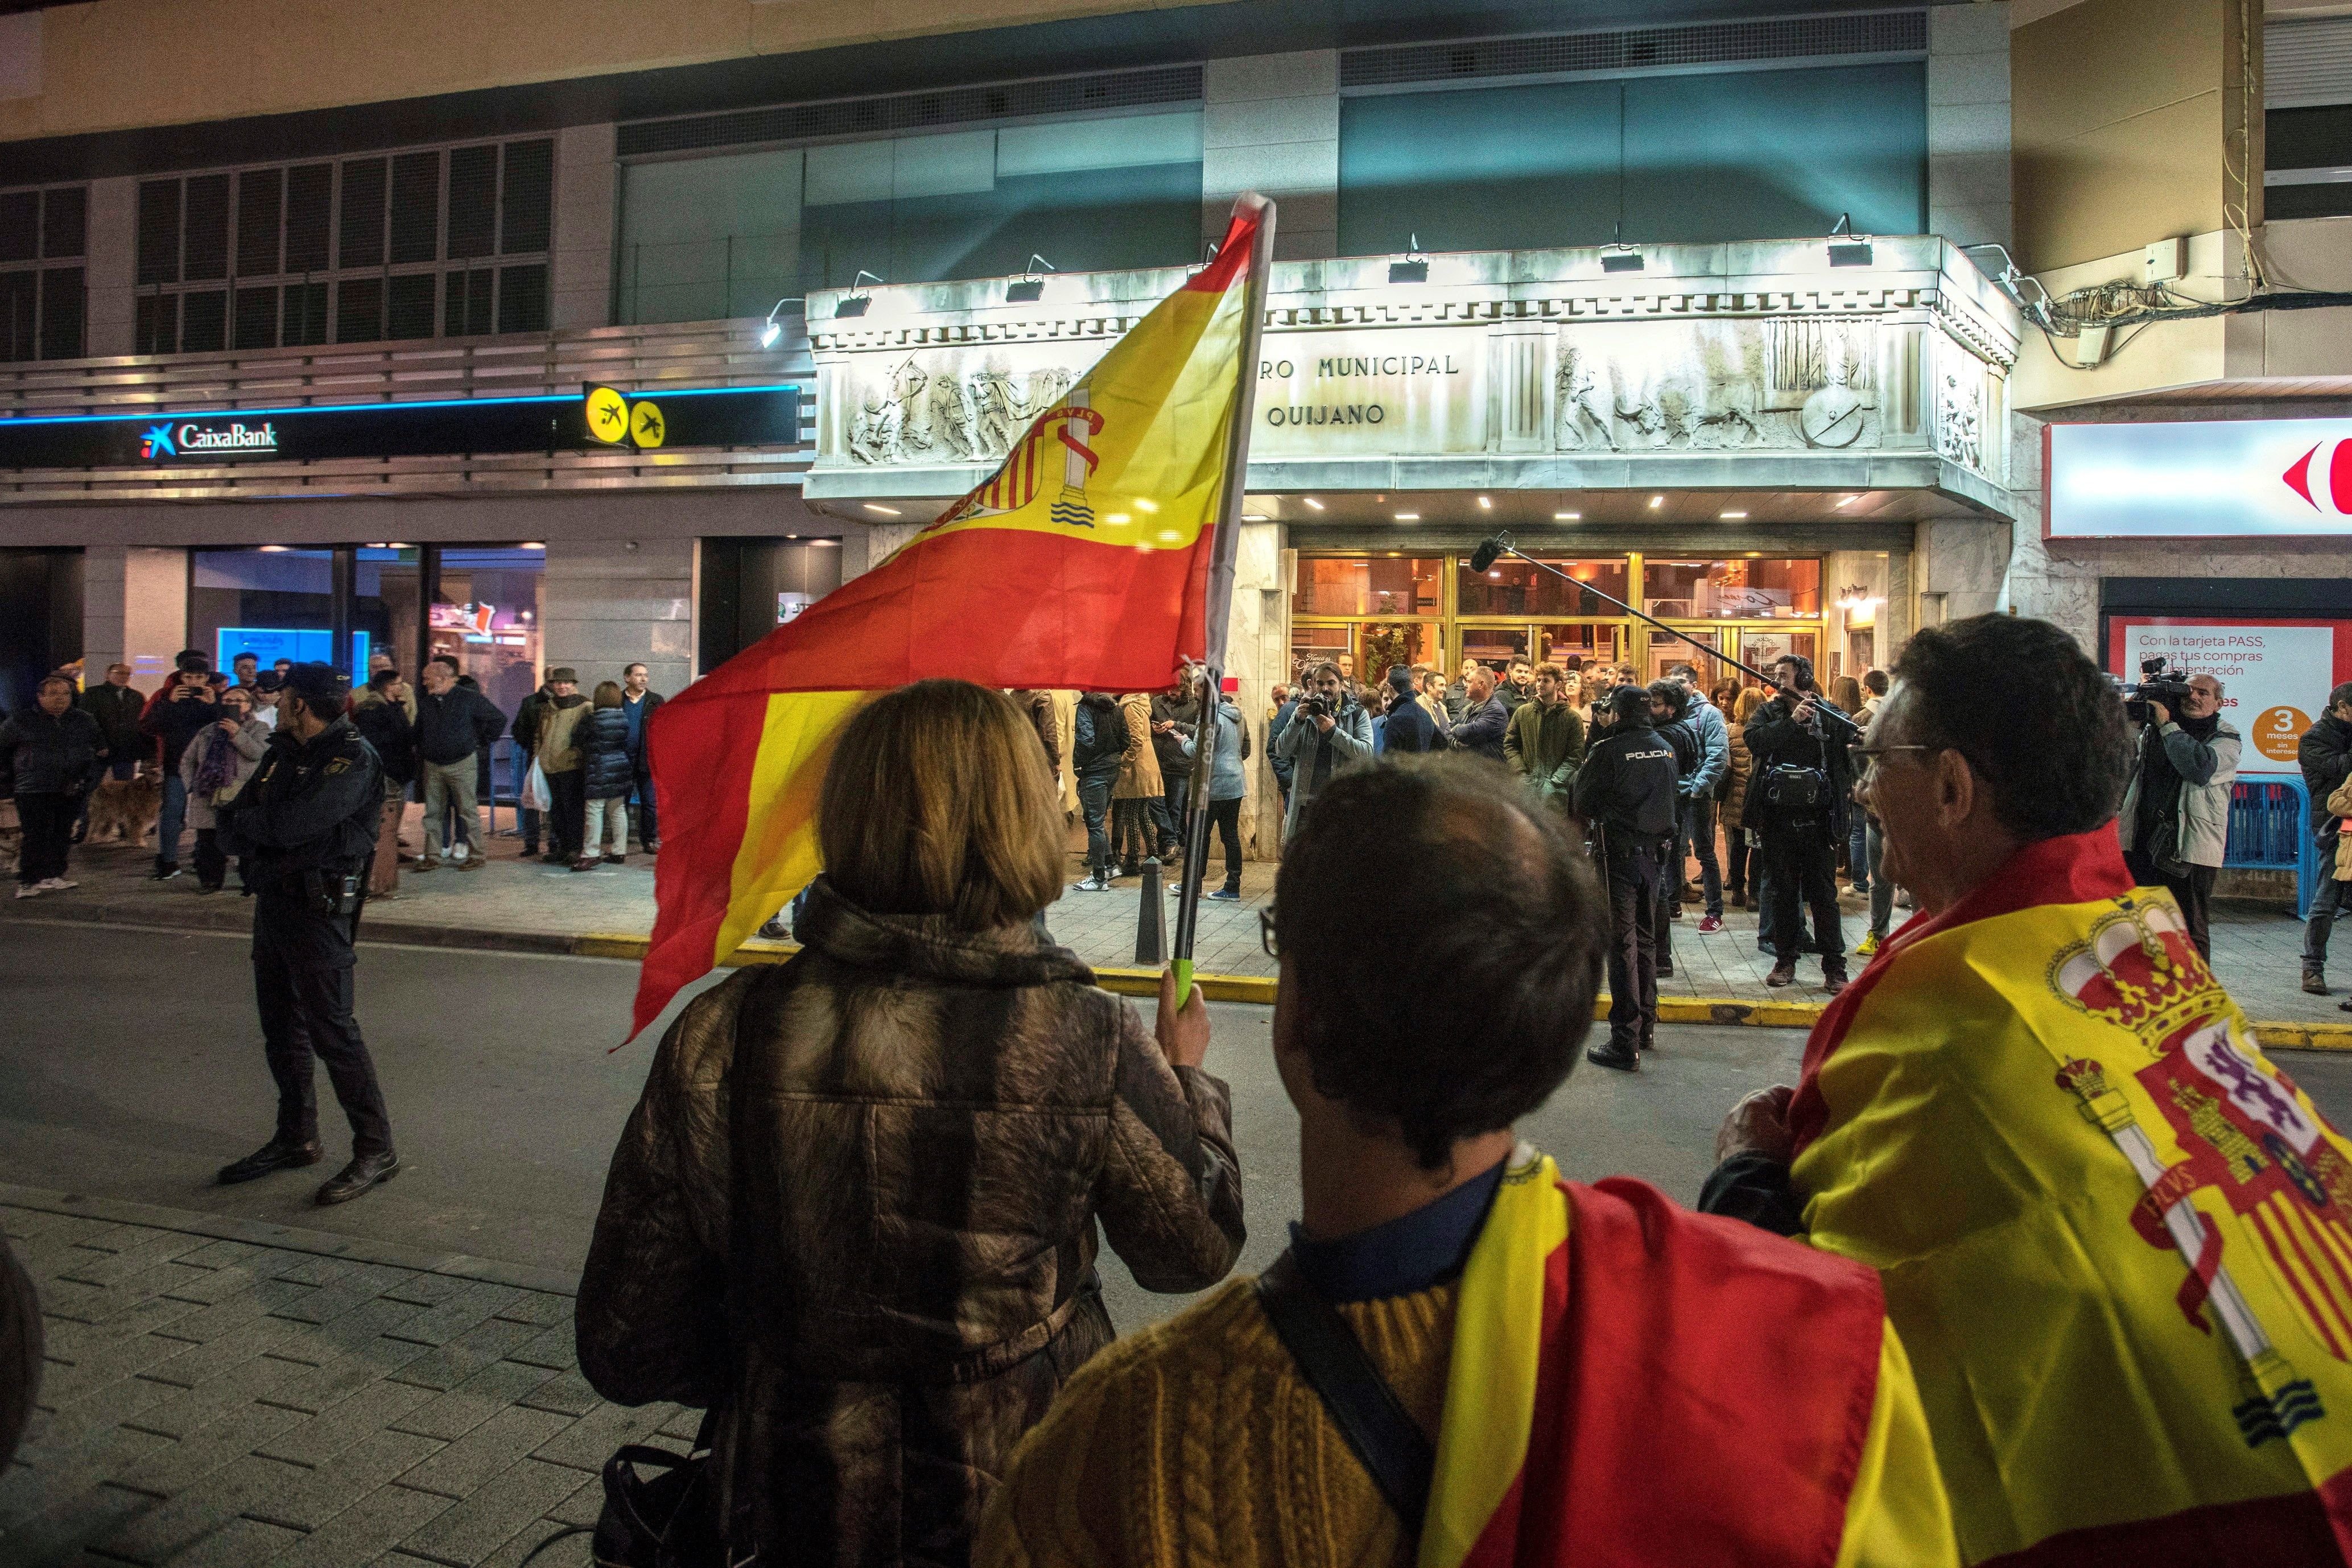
x: 1625, y: 792
x: 306, y: 822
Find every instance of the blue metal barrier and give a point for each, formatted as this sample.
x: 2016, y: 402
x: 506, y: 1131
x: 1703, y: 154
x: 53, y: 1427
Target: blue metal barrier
x: 2270, y: 830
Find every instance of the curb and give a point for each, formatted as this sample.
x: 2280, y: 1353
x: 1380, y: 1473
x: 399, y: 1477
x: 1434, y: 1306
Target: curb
x: 264, y: 1233
x: 2275, y: 1035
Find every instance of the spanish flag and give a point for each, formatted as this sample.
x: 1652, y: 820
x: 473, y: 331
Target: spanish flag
x: 2115, y: 1238
x: 1082, y: 562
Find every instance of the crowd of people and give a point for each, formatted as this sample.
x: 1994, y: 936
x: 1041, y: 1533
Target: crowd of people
x: 856, y: 1212
x: 201, y: 734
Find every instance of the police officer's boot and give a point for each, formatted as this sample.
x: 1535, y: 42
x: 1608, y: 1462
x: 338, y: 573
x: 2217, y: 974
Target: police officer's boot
x: 365, y: 1170
x: 274, y: 1155
x: 1616, y: 1054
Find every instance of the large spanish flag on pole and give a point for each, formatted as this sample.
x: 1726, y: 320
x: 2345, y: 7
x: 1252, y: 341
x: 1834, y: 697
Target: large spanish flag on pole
x: 1083, y: 562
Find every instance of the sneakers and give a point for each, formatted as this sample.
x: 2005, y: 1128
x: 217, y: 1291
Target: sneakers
x: 30, y: 889
x: 1098, y: 883
x: 1710, y: 925
x: 1229, y: 894
x: 2314, y: 981
x: 57, y: 884
x: 1783, y: 973
x: 1869, y: 944
x: 164, y: 873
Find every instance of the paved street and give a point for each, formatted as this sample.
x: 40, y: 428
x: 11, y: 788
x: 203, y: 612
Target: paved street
x: 394, y: 1375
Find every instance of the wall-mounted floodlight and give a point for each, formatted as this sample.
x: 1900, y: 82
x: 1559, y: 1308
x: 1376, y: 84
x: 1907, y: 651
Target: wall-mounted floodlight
x: 1414, y: 268
x: 1029, y: 288
x: 854, y: 304
x: 775, y: 329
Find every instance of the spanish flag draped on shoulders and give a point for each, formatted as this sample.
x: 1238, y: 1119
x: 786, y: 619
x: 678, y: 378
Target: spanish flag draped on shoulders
x: 2116, y: 1239
x: 1609, y: 1379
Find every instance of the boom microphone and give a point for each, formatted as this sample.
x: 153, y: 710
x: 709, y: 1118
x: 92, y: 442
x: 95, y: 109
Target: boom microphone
x: 1488, y: 548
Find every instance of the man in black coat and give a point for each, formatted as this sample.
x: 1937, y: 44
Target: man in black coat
x: 639, y: 703
x: 1484, y: 719
x: 175, y: 716
x: 116, y: 704
x: 1625, y: 790
x: 2325, y: 758
x: 306, y: 822
x: 1798, y: 792
x: 1410, y: 727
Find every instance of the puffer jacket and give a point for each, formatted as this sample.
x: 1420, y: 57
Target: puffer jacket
x: 251, y: 740
x: 41, y: 754
x: 926, y: 1127
x: 1138, y: 770
x: 1735, y: 799
x: 602, y: 737
x: 1227, y: 778
x: 2340, y: 807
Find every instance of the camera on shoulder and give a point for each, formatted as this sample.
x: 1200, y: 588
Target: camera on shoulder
x: 2160, y: 681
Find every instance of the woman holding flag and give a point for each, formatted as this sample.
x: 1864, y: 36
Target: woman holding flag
x: 854, y: 1211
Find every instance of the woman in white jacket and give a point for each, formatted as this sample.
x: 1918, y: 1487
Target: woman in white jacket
x: 214, y: 767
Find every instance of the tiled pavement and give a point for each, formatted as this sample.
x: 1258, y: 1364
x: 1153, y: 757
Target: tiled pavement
x: 221, y: 1402
x: 522, y: 904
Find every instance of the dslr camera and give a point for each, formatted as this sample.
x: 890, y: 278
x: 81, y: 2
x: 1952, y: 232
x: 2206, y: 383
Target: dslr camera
x: 2159, y: 681
x: 1313, y: 708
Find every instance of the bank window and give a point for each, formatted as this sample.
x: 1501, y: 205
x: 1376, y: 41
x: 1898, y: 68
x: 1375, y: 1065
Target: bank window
x: 708, y: 237
x: 41, y: 276
x: 349, y: 250
x: 1745, y: 589
x: 1377, y: 586
x: 1511, y: 587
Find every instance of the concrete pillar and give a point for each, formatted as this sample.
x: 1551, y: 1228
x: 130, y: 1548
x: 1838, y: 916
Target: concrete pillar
x: 1964, y: 561
x: 867, y: 547
x: 108, y: 275
x: 1254, y: 656
x: 134, y: 610
x: 1270, y: 123
x: 1969, y: 124
x: 581, y: 291
x: 608, y: 603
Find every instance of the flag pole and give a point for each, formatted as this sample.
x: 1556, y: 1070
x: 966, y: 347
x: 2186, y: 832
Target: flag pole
x: 1220, y: 583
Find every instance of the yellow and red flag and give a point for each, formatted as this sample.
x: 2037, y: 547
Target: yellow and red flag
x: 1082, y: 562
x: 2116, y: 1240
x: 1632, y: 1382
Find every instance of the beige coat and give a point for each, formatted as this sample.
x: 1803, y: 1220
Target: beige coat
x: 1139, y: 768
x: 2340, y: 804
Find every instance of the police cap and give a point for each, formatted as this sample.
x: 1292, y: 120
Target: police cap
x: 322, y: 688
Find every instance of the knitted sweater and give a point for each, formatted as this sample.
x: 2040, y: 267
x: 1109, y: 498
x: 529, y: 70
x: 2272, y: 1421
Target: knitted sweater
x: 1195, y: 1441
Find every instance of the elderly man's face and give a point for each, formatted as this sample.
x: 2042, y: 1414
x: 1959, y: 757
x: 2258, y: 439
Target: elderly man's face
x: 1899, y: 787
x: 2204, y: 699
x: 118, y: 675
x: 1481, y: 684
x: 437, y: 679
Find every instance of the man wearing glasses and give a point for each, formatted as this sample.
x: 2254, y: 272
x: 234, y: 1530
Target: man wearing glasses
x: 2096, y: 1206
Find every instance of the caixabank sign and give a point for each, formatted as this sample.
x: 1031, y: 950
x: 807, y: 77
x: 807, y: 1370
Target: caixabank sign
x: 663, y: 416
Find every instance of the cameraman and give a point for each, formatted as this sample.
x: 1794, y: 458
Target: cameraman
x: 306, y: 821
x: 1329, y: 732
x: 2325, y: 758
x: 2176, y: 815
x: 1797, y: 795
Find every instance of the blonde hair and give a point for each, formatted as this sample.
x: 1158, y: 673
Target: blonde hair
x: 1750, y: 700
x: 937, y: 801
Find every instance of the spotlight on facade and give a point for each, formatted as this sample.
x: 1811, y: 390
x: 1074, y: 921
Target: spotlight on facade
x: 854, y: 304
x: 1414, y: 268
x: 1657, y: 501
x: 1848, y: 248
x: 1029, y: 288
x: 773, y: 328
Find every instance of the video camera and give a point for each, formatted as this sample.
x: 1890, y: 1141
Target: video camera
x: 2159, y: 681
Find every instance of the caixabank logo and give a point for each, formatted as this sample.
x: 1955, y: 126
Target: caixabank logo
x: 209, y: 438
x: 2323, y: 477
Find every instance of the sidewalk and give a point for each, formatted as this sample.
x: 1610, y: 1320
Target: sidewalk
x: 226, y: 1393
x: 525, y: 906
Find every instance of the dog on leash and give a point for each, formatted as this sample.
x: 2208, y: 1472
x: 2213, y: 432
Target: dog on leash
x: 123, y: 811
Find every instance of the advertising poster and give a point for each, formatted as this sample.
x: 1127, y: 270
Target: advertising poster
x: 2275, y: 674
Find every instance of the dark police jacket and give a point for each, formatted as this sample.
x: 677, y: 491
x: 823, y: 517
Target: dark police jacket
x: 308, y: 808
x: 1626, y: 785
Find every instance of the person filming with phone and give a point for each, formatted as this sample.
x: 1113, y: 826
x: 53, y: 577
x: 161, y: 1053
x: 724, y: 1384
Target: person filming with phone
x: 306, y: 821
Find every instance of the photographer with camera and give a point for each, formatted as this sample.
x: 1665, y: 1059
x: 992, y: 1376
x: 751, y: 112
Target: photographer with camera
x: 1797, y: 800
x: 2176, y: 816
x: 1329, y: 732
x: 306, y: 821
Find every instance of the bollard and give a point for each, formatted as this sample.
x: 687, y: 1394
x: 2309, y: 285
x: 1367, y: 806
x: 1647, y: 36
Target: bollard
x: 1152, y: 925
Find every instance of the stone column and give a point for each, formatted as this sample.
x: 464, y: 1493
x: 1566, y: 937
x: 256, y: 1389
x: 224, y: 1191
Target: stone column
x: 134, y: 611
x: 112, y: 246
x: 609, y: 602
x: 581, y: 289
x: 1969, y: 198
x: 1270, y: 123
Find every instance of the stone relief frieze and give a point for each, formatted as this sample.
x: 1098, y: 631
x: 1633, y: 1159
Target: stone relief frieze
x: 939, y: 408
x: 1717, y: 385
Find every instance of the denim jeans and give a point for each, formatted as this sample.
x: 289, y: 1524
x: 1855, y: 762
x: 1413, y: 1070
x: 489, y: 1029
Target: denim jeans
x: 1882, y: 892
x: 173, y: 819
x: 1094, y: 802
x: 1697, y: 827
x: 1860, y: 871
x: 2333, y: 898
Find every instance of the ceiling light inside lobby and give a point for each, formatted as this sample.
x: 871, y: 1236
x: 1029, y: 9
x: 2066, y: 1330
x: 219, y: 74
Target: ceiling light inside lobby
x: 1312, y: 502
x: 1656, y: 502
x: 879, y: 510
x: 1568, y: 517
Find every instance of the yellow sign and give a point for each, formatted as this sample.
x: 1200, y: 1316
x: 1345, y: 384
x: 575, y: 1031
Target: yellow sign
x: 646, y: 425
x: 608, y: 416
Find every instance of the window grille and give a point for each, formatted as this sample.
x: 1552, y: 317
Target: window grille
x: 42, y: 305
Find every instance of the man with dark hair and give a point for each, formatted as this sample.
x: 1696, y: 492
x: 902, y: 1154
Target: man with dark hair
x: 245, y: 666
x: 1625, y: 790
x: 2325, y: 755
x: 1694, y: 812
x: 1603, y: 1410
x: 306, y: 824
x: 1797, y: 801
x: 175, y: 715
x: 1544, y: 741
x: 2041, y: 1117
x: 1518, y: 685
x: 1409, y: 728
x: 116, y: 704
x: 640, y: 702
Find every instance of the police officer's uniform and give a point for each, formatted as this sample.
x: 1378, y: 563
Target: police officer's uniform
x: 1625, y: 790
x: 306, y: 823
